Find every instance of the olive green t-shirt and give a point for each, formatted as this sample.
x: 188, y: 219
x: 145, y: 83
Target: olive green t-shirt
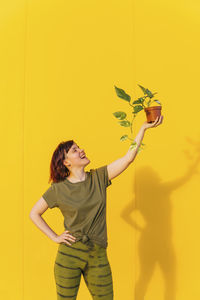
x: 83, y: 205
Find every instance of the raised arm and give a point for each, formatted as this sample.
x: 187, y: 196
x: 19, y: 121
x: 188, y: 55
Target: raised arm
x: 118, y: 166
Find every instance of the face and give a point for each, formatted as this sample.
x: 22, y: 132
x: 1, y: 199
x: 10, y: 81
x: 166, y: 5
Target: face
x: 75, y: 157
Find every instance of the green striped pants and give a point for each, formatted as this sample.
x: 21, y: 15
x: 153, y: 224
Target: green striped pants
x: 88, y: 259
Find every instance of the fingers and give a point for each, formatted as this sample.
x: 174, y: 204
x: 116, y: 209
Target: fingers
x: 72, y: 238
x: 68, y: 237
x: 68, y: 234
x: 153, y: 124
x: 158, y: 121
x: 66, y: 242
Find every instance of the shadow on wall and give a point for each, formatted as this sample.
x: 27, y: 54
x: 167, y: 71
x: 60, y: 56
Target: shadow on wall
x: 155, y: 243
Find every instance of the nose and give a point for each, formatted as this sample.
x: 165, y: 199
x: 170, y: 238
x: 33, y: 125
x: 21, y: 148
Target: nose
x: 82, y: 151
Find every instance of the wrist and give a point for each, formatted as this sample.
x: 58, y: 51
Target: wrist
x: 143, y: 128
x: 54, y: 237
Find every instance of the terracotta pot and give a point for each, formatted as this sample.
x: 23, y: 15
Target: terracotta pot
x: 152, y: 113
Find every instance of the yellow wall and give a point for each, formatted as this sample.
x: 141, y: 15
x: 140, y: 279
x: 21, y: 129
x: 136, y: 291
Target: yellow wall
x: 60, y: 61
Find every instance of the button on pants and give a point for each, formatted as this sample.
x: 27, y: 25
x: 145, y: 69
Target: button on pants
x: 88, y: 259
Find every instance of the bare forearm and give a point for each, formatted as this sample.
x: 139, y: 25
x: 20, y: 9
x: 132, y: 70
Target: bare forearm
x: 131, y: 154
x: 42, y: 225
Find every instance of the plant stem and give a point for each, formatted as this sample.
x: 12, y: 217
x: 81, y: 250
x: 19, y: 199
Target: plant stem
x: 132, y: 124
x: 145, y: 101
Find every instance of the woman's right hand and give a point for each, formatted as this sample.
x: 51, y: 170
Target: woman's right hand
x: 65, y: 237
x: 157, y: 122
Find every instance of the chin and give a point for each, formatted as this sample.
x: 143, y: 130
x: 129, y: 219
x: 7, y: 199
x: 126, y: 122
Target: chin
x: 87, y: 163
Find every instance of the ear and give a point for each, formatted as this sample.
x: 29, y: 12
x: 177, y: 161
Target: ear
x: 66, y: 163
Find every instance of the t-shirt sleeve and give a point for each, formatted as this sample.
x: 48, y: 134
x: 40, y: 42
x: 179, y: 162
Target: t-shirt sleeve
x: 102, y: 173
x: 50, y: 197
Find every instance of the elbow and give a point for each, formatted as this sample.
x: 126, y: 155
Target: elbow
x: 32, y: 214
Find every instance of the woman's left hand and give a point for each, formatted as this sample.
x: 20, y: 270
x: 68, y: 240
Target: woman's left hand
x: 157, y: 122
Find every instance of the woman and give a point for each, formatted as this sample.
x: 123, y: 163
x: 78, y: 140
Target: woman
x: 81, y: 197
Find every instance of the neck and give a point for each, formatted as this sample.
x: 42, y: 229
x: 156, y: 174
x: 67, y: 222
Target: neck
x: 77, y: 175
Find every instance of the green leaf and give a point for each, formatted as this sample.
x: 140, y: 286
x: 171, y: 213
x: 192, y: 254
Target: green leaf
x: 143, y: 89
x: 137, y: 108
x: 157, y: 101
x: 133, y: 145
x: 123, y: 137
x: 139, y: 149
x: 146, y: 91
x: 120, y: 115
x: 149, y: 93
x: 125, y: 123
x: 122, y: 94
x: 139, y: 101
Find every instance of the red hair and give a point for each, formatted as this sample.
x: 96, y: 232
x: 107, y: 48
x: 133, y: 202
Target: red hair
x: 58, y: 171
